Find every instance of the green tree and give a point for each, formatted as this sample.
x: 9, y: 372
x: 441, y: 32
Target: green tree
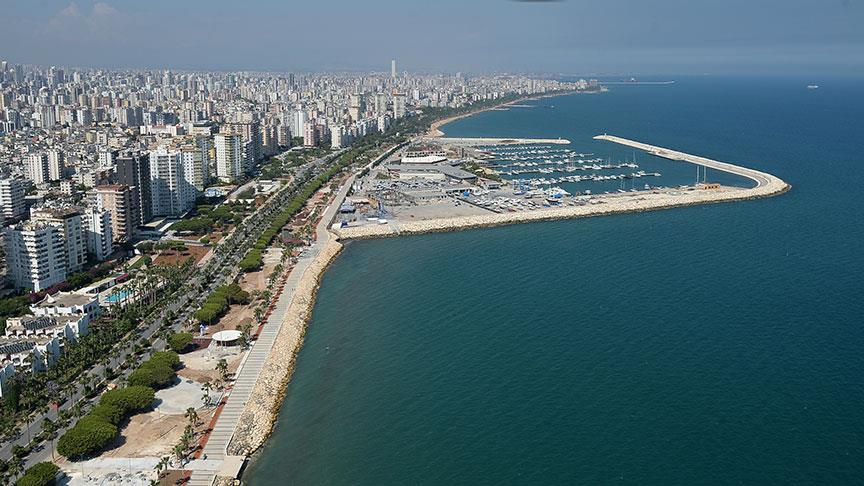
x: 41, y: 474
x: 89, y: 435
x: 180, y: 341
x: 130, y: 399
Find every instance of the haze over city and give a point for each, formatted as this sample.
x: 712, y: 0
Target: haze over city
x: 568, y: 36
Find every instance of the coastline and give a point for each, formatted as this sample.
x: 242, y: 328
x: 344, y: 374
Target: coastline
x: 435, y: 127
x: 262, y: 409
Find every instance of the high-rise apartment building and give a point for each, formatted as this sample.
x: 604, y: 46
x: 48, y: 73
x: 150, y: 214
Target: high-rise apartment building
x: 35, y: 255
x: 37, y: 167
x: 98, y: 231
x: 355, y: 106
x: 56, y: 164
x: 195, y: 169
x: 298, y: 123
x: 398, y: 105
x: 229, y: 156
x: 12, y: 198
x: 310, y: 135
x: 134, y: 171
x: 118, y: 199
x: 251, y: 138
x: 68, y: 222
x: 171, y: 194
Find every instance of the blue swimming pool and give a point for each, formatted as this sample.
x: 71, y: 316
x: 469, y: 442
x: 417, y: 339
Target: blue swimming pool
x: 117, y: 296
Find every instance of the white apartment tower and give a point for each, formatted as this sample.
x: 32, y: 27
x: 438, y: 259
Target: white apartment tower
x: 229, y: 156
x: 170, y: 192
x: 68, y: 223
x: 46, y: 166
x: 37, y: 167
x: 398, y: 105
x: 12, y: 198
x: 35, y: 255
x: 56, y: 164
x: 195, y: 169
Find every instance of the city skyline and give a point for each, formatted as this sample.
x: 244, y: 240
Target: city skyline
x: 566, y: 37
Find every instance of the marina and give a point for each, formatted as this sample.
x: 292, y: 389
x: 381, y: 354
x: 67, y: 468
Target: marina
x: 389, y: 201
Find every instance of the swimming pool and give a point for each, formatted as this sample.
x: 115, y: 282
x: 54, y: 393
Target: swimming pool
x: 117, y: 296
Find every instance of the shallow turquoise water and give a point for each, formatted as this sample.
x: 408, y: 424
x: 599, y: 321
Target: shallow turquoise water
x: 712, y: 344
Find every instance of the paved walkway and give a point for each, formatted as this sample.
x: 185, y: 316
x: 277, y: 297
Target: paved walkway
x: 204, y: 472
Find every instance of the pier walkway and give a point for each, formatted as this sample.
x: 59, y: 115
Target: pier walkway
x: 471, y: 142
x: 763, y: 180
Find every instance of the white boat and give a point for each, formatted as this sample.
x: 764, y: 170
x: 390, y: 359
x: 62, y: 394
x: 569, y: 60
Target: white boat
x: 812, y: 86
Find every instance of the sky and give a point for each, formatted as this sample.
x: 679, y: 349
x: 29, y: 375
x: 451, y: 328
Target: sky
x: 471, y: 36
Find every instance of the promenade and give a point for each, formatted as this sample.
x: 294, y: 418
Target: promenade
x: 250, y: 398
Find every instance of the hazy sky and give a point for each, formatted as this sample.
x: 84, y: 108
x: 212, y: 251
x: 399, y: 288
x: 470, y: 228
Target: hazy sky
x: 567, y: 36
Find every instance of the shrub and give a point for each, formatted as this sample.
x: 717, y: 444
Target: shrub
x: 89, y: 435
x: 252, y: 261
x: 179, y: 341
x: 42, y: 474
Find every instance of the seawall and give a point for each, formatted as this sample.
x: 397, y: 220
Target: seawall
x: 262, y: 408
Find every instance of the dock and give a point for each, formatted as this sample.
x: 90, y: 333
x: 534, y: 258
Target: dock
x: 763, y: 180
x: 473, y: 142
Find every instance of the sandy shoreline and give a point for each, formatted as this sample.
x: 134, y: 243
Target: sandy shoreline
x: 435, y: 127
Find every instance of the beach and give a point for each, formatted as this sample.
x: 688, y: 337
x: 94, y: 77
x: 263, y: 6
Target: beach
x: 435, y: 127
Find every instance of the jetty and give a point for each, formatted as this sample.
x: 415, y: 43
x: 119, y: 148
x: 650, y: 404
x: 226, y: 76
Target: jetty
x: 762, y: 179
x: 474, y: 142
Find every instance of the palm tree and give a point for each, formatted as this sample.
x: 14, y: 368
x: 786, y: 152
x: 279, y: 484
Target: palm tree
x: 179, y: 453
x: 222, y: 368
x: 15, y: 466
x: 206, y: 386
x: 192, y: 416
x: 162, y: 465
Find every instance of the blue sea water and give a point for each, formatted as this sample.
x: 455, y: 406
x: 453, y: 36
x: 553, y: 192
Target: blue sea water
x: 712, y: 344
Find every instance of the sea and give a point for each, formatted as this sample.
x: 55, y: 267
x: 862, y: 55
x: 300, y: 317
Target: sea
x: 715, y: 344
